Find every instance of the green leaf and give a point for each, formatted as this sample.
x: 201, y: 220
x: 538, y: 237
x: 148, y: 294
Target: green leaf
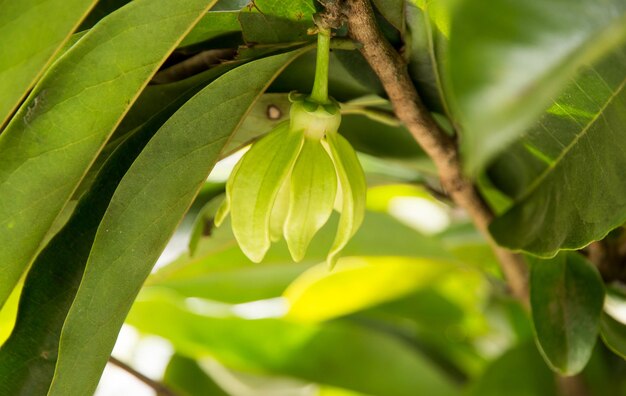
x: 33, y: 32
x: 509, y: 60
x: 428, y: 24
x: 144, y: 211
x: 102, y: 9
x: 337, y: 354
x: 357, y: 283
x: 53, y: 280
x: 566, y: 174
x: 566, y: 296
x: 255, y: 187
x: 59, y: 131
x: 277, y: 21
x: 393, y: 11
x: 212, y: 25
x: 613, y: 333
x: 353, y: 190
x: 312, y: 197
x: 518, y: 372
x: 187, y: 378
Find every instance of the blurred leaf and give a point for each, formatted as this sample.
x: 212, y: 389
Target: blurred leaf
x: 337, y: 354
x: 428, y: 23
x: 613, y: 334
x: 356, y: 284
x: 381, y: 140
x: 46, y: 153
x: 213, y: 24
x: 518, y: 372
x: 144, y: 211
x: 566, y: 174
x: 277, y: 21
x: 33, y: 31
x: 393, y: 11
x: 184, y: 376
x: 220, y: 271
x: 509, y: 59
x: 566, y: 296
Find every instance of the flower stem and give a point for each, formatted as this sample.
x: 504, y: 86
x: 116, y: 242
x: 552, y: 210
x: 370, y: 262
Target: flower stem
x: 320, y: 86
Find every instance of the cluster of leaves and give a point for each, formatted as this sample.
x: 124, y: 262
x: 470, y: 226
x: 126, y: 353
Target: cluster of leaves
x: 113, y: 114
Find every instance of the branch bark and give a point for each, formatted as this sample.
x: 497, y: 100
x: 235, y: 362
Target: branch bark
x: 159, y: 388
x: 392, y: 72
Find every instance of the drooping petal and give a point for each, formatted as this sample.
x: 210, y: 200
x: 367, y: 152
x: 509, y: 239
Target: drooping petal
x: 279, y: 212
x: 354, y: 190
x: 255, y: 186
x: 313, y: 190
x: 224, y: 208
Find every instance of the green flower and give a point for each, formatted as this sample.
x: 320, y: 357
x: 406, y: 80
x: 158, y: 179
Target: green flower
x: 287, y: 184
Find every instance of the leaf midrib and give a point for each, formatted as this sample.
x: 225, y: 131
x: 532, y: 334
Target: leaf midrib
x: 567, y: 149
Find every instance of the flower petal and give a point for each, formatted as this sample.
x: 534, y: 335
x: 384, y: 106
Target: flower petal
x: 255, y: 186
x: 313, y: 190
x: 354, y: 190
x: 279, y: 212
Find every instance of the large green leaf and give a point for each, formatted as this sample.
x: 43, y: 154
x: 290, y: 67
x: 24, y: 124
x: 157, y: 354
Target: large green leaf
x: 566, y: 297
x: 58, y: 132
x: 143, y: 213
x: 32, y: 32
x: 509, y: 59
x: 337, y: 354
x: 566, y: 174
x: 53, y: 280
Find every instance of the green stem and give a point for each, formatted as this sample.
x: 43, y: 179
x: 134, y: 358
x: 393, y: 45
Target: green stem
x: 320, y: 86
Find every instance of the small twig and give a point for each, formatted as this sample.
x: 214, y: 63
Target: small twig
x: 392, y: 72
x: 193, y: 65
x: 159, y: 388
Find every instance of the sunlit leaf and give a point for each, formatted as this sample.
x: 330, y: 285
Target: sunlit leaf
x: 520, y: 371
x: 356, y: 284
x: 338, y: 354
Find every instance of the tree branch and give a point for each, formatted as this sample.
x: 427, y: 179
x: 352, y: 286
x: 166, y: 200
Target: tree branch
x: 159, y: 388
x: 392, y: 72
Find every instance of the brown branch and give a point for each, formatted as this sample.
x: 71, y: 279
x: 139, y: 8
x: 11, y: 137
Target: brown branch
x: 159, y: 388
x: 392, y: 72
